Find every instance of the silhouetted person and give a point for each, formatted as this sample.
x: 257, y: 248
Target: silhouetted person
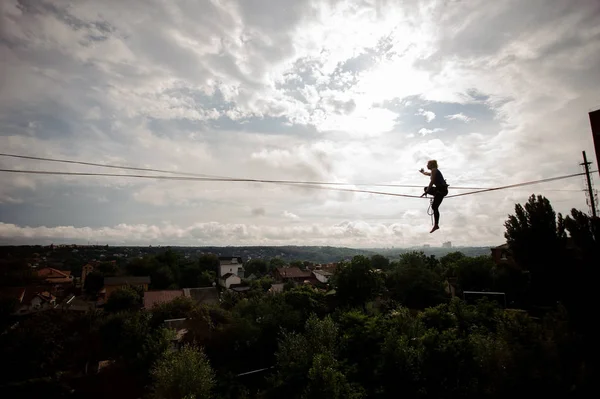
x: 437, y: 187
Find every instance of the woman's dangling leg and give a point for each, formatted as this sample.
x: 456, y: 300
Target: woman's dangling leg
x: 437, y: 200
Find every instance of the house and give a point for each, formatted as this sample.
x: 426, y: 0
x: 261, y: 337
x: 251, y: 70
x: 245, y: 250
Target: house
x: 276, y: 288
x: 231, y: 264
x: 328, y: 267
x: 29, y: 299
x: 292, y: 274
x: 239, y: 288
x: 203, y: 295
x: 229, y: 278
x: 42, y: 300
x: 111, y: 284
x: 502, y: 256
x: 322, y: 275
x: 85, y: 270
x: 75, y: 304
x: 154, y: 298
x: 55, y: 276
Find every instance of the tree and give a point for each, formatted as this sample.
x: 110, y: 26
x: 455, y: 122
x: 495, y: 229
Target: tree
x: 169, y: 258
x: 37, y: 346
x: 209, y: 263
x: 206, y: 279
x: 276, y: 262
x: 7, y: 307
x: 356, y: 282
x: 15, y: 273
x: 258, y: 267
x: 130, y: 339
x: 189, y: 275
x: 296, y: 353
x: 448, y: 263
x: 177, y: 308
x: 579, y: 283
x: 123, y: 299
x: 326, y: 380
x: 475, y: 273
x: 94, y: 282
x: 262, y: 284
x: 162, y: 278
x: 108, y: 268
x: 183, y: 374
x: 419, y: 259
x: 380, y: 262
x: 142, y: 266
x: 537, y: 241
x: 533, y: 232
x: 585, y: 233
x: 413, y: 284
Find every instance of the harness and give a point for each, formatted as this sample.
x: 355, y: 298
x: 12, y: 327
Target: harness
x: 433, y: 191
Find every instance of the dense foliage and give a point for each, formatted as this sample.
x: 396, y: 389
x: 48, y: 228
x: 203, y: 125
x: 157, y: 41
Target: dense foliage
x: 381, y: 329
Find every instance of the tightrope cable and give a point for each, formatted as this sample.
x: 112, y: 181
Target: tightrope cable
x: 186, y: 178
x: 519, y: 184
x: 232, y: 179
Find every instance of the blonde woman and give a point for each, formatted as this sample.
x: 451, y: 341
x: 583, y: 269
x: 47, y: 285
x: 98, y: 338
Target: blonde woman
x: 437, y: 187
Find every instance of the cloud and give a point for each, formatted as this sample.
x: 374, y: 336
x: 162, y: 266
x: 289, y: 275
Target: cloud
x: 347, y: 233
x: 333, y: 91
x: 423, y: 131
x: 290, y: 215
x: 460, y: 117
x: 429, y: 115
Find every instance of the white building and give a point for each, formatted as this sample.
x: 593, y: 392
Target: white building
x: 322, y: 275
x: 231, y: 264
x: 228, y: 279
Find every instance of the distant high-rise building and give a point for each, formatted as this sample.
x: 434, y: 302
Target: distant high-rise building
x: 447, y: 244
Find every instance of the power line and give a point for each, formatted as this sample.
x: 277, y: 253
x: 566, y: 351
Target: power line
x: 518, y: 185
x: 185, y: 178
x: 105, y: 165
x: 233, y: 179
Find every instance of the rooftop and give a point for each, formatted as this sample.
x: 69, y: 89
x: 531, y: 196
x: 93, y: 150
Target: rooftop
x: 230, y: 260
x: 122, y: 280
x: 293, y: 272
x: 153, y: 298
x: 51, y: 273
x: 202, y: 295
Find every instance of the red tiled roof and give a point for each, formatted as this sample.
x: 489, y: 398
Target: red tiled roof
x: 153, y: 298
x: 293, y: 272
x: 50, y: 273
x: 46, y: 296
x: 59, y: 280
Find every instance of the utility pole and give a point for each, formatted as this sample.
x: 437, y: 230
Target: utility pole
x: 592, y: 198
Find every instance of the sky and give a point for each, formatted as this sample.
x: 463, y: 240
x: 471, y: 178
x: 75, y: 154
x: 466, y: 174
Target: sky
x: 359, y: 92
